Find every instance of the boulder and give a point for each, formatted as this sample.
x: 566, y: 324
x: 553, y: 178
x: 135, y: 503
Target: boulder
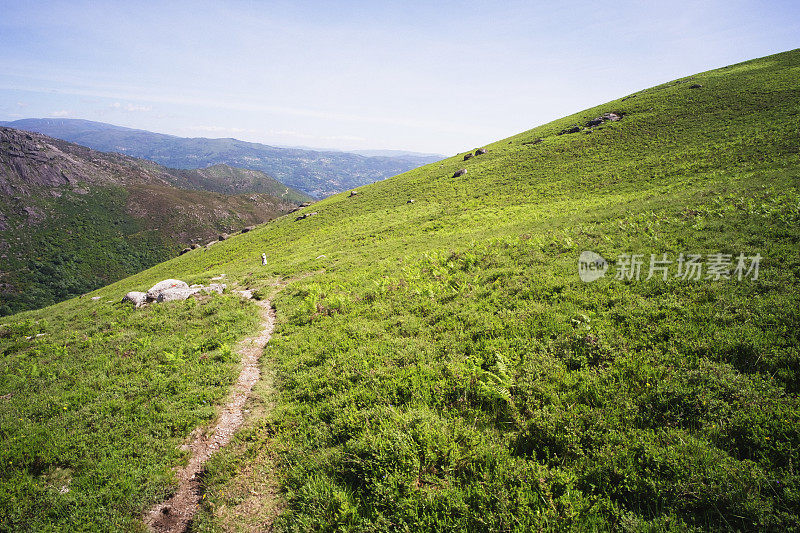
x: 223, y: 236
x: 185, y: 250
x: 480, y: 151
x: 573, y: 129
x: 410, y: 201
x: 137, y: 298
x: 695, y: 86
x: 613, y: 117
x: 460, y: 172
x: 161, y: 286
x: 248, y: 229
x: 175, y: 294
x: 305, y: 215
x: 353, y: 193
x: 219, y: 288
x: 468, y: 156
x: 195, y: 246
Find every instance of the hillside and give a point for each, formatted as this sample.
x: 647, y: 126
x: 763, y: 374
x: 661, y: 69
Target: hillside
x: 317, y: 173
x: 72, y: 219
x: 232, y: 180
x: 440, y: 364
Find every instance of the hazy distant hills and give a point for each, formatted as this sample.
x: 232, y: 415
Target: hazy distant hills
x: 73, y: 219
x: 314, y: 172
x: 232, y: 180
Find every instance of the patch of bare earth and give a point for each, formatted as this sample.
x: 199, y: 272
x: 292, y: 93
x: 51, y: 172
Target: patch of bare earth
x: 176, y: 514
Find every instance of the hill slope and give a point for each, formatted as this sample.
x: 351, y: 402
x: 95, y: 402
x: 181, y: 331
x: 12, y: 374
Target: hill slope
x: 441, y: 365
x: 232, y: 180
x: 72, y: 219
x: 318, y: 173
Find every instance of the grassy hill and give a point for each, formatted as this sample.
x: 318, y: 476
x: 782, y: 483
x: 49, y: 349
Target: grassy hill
x: 318, y: 173
x: 72, y: 219
x: 441, y: 365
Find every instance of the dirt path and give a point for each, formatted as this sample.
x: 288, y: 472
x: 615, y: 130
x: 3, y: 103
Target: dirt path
x: 175, y: 514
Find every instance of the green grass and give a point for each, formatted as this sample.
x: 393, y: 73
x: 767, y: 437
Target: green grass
x: 441, y: 366
x: 100, y: 410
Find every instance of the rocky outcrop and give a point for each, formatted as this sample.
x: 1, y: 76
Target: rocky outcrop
x: 156, y: 290
x: 171, y: 290
x: 176, y: 293
x: 137, y: 298
x: 459, y: 172
x: 305, y: 215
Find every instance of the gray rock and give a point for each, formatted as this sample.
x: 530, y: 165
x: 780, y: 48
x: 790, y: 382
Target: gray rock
x: 305, y: 215
x: 613, y: 117
x: 137, y: 298
x: 468, y: 156
x: 175, y: 294
x: 161, y: 286
x: 219, y: 288
x: 480, y: 151
x: 460, y: 172
x: 573, y: 129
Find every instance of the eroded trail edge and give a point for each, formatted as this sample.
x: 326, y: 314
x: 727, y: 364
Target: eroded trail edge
x: 175, y: 514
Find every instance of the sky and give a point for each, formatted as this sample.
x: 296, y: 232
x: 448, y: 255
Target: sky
x: 438, y: 77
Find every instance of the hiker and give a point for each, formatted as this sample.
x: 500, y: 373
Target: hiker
x: 263, y: 259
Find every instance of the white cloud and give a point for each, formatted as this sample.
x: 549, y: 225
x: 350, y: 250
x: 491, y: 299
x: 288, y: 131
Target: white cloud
x: 299, y: 135
x: 22, y: 104
x: 60, y: 113
x: 130, y: 107
x: 220, y: 129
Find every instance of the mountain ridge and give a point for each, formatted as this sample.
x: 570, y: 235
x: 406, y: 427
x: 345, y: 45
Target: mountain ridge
x: 72, y: 218
x: 314, y: 172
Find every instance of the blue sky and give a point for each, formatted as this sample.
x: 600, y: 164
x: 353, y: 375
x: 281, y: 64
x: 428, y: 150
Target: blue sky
x: 427, y: 76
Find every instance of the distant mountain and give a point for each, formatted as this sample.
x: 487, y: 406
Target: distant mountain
x: 396, y: 153
x: 232, y: 180
x: 317, y: 173
x: 73, y: 219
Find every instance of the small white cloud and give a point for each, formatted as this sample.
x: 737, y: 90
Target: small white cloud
x: 220, y: 129
x: 61, y: 113
x: 299, y: 135
x: 130, y: 107
x: 22, y: 104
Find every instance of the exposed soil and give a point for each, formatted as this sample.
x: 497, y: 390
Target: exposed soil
x: 176, y: 514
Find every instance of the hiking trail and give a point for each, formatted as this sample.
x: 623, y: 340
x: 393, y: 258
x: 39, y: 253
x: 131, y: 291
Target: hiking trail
x: 175, y: 514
